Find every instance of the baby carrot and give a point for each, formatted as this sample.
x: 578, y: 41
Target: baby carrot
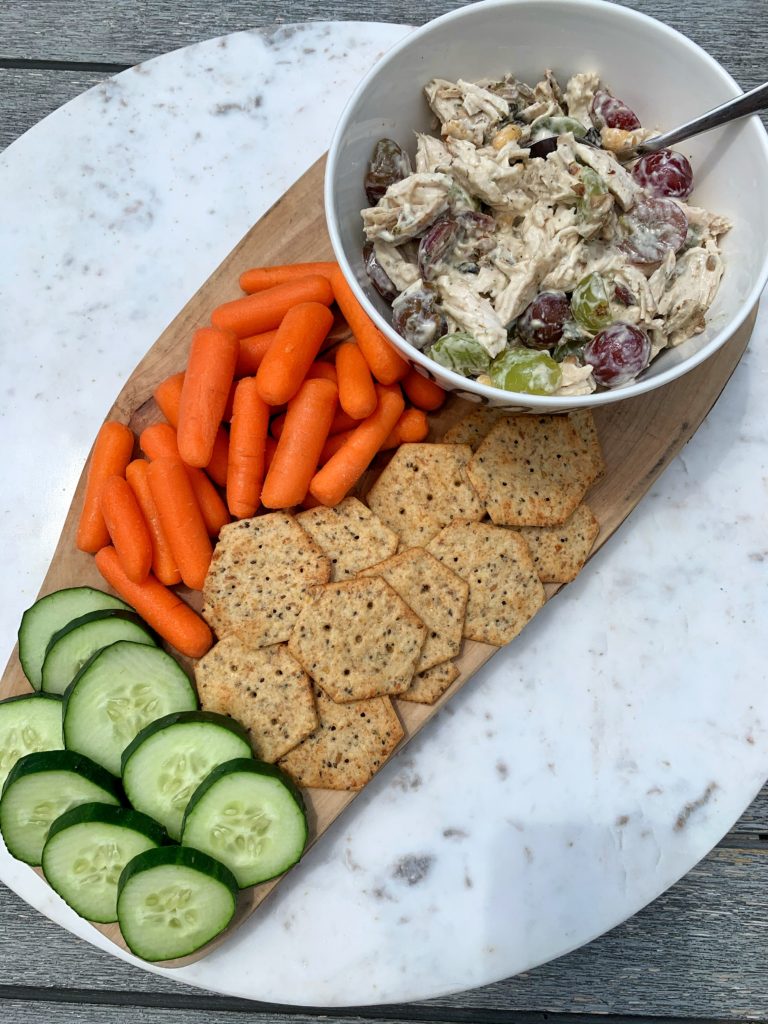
x: 127, y: 528
x: 260, y: 278
x: 386, y: 365
x: 422, y: 392
x: 325, y: 370
x: 298, y: 340
x: 209, y: 374
x: 409, y: 429
x: 168, y: 398
x: 163, y: 564
x: 332, y: 445
x: 230, y: 403
x: 357, y: 394
x: 252, y: 351
x: 270, y: 447
x: 247, y: 443
x: 306, y: 427
x: 340, y: 422
x: 344, y: 469
x: 263, y: 311
x: 181, y: 519
x: 111, y: 454
x: 159, y: 441
x: 163, y: 610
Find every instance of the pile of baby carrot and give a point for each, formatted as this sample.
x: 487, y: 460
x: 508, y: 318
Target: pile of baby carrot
x: 305, y: 418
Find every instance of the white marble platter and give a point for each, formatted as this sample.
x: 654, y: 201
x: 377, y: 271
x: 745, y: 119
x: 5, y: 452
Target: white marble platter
x: 589, y: 765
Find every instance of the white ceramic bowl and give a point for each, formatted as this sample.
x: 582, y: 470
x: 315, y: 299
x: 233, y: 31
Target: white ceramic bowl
x: 660, y: 73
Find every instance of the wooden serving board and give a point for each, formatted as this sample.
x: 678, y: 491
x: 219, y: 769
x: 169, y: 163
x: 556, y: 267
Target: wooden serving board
x: 639, y: 436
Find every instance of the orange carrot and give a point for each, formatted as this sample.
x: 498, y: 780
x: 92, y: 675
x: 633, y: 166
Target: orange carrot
x: 252, y: 351
x: 230, y: 403
x: 168, y: 397
x: 270, y: 447
x: 260, y: 278
x: 248, y: 439
x: 332, y: 445
x: 306, y: 427
x: 209, y: 374
x: 181, y: 519
x: 163, y: 564
x: 127, y: 528
x: 422, y: 392
x: 264, y: 310
x: 386, y: 365
x: 320, y: 369
x: 165, y: 612
x: 111, y: 454
x: 344, y: 469
x: 290, y: 355
x: 357, y: 394
x: 409, y: 429
x: 159, y: 441
x: 340, y: 422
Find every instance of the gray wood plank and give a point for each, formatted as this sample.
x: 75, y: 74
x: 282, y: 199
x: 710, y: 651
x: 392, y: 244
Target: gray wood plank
x: 698, y: 951
x: 30, y: 95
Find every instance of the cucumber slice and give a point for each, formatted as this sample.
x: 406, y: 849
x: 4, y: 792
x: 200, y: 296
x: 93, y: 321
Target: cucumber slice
x: 170, y: 758
x: 251, y: 817
x: 39, y: 788
x: 173, y: 900
x: 70, y: 647
x: 48, y: 615
x: 119, y: 691
x: 86, y: 851
x: 28, y: 723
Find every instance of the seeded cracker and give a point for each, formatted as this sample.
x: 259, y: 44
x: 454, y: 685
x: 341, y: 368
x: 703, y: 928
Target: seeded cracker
x: 437, y: 595
x: 349, y: 746
x: 358, y: 639
x: 583, y: 423
x: 350, y: 535
x: 474, y: 427
x: 532, y: 471
x: 428, y: 686
x: 424, y: 488
x: 504, y: 590
x: 260, y: 573
x: 263, y: 689
x: 559, y: 552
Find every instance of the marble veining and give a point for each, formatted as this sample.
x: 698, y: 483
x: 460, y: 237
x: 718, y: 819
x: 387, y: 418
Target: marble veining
x: 588, y: 766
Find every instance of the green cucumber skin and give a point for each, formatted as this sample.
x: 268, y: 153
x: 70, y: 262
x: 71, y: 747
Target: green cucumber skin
x: 66, y: 761
x: 184, y: 856
x: 109, y: 814
x: 96, y: 616
x: 32, y: 699
x: 245, y: 764
x: 46, y: 683
x: 36, y: 695
x: 159, y: 724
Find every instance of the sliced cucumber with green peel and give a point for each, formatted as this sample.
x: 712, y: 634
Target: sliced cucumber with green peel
x: 173, y: 900
x: 251, y: 817
x: 119, y: 691
x: 170, y: 758
x: 42, y: 786
x: 28, y: 723
x: 86, y: 851
x: 70, y: 647
x: 48, y: 615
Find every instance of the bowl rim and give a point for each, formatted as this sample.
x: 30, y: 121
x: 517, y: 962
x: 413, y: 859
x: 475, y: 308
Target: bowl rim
x: 492, y: 394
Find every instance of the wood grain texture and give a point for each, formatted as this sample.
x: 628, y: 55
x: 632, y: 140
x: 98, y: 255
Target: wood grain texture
x: 635, y: 455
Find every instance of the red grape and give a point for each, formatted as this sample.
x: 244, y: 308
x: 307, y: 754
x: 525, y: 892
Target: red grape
x: 378, y: 275
x: 609, y: 112
x: 651, y: 228
x: 540, y: 325
x: 665, y: 173
x: 618, y: 353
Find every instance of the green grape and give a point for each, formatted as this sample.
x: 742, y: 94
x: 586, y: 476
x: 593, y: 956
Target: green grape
x: 590, y: 304
x: 525, y: 370
x: 462, y: 353
x: 546, y: 127
x: 594, y: 189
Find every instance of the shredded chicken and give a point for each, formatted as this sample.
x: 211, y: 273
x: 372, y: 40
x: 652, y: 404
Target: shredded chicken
x: 408, y: 207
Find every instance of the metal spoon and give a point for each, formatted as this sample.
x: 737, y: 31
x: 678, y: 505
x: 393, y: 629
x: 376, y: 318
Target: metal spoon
x: 749, y: 103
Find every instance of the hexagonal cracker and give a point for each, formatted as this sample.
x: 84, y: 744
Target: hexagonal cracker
x: 259, y: 576
x: 358, y: 639
x: 350, y: 535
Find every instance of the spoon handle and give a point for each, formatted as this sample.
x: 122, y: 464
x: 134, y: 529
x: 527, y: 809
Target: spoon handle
x: 748, y: 103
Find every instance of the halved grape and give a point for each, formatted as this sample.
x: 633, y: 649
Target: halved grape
x: 526, y: 371
x: 476, y: 233
x: 436, y: 244
x: 618, y: 353
x: 665, y: 173
x: 543, y: 148
x: 546, y: 127
x: 540, y: 325
x: 460, y: 352
x: 417, y: 316
x: 378, y: 276
x: 623, y: 295
x: 651, y: 229
x: 610, y: 112
x: 572, y: 342
x: 590, y: 304
x: 388, y: 164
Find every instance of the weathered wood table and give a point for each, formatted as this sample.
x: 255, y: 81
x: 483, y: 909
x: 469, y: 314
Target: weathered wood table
x: 699, y: 951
